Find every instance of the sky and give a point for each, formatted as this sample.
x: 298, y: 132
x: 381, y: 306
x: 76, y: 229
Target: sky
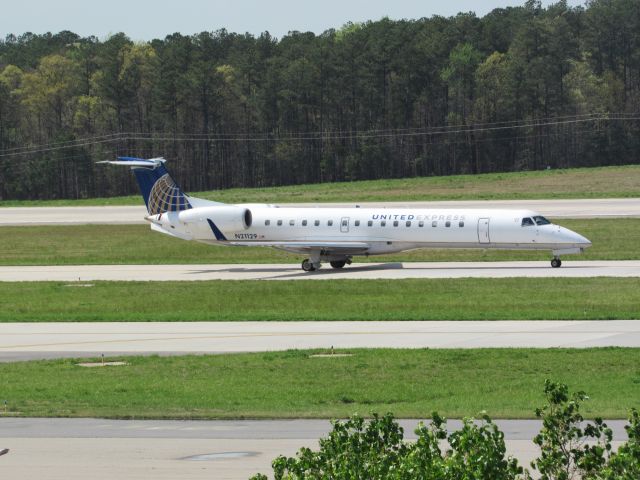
x: 145, y: 20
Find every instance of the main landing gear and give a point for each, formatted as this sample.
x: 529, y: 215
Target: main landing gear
x: 307, y: 266
x: 556, y: 262
x: 310, y: 265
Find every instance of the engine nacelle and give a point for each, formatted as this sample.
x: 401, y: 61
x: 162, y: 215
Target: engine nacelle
x: 226, y: 217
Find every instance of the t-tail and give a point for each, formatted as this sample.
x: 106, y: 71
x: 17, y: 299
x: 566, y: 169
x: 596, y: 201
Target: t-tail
x: 175, y: 213
x: 160, y: 192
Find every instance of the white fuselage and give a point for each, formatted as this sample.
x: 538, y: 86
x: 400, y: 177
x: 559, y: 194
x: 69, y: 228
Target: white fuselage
x: 383, y: 230
x: 337, y: 234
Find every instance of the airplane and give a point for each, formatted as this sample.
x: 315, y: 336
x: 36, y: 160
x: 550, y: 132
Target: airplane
x: 336, y: 235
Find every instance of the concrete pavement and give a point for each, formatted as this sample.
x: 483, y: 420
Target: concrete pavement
x: 591, y: 208
x: 538, y: 269
x: 79, y: 448
x: 25, y: 341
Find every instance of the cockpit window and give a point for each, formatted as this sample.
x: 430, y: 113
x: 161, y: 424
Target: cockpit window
x: 527, y: 222
x: 540, y: 220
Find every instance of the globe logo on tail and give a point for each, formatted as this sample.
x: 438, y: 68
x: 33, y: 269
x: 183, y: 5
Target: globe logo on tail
x: 166, y: 196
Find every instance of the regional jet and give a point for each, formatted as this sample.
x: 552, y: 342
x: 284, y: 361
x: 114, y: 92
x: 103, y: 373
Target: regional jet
x: 336, y: 235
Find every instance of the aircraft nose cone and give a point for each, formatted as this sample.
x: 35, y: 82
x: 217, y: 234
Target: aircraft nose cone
x: 585, y: 242
x: 577, y: 238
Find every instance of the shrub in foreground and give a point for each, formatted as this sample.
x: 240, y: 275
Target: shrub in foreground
x: 375, y: 449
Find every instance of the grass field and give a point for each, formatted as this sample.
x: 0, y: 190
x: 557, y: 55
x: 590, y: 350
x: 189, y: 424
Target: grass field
x: 602, y: 182
x: 507, y: 383
x: 613, y: 239
x: 423, y: 299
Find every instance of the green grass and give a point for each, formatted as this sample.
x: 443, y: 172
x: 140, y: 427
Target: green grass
x: 613, y: 239
x: 414, y: 299
x: 507, y: 383
x: 601, y: 182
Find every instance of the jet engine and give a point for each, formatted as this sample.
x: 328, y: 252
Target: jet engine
x: 226, y: 217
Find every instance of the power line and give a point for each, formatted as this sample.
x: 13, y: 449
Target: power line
x: 123, y: 136
x: 106, y: 136
x: 317, y: 136
x: 287, y: 135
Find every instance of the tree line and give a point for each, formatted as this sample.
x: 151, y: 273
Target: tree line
x: 521, y: 88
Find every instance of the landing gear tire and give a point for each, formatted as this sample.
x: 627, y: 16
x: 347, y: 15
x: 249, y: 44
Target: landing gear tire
x: 556, y: 263
x: 307, y: 266
x: 338, y: 264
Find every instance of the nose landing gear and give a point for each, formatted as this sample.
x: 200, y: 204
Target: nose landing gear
x: 556, y: 262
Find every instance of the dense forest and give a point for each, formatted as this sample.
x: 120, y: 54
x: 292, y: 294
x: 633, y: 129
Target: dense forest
x: 521, y: 88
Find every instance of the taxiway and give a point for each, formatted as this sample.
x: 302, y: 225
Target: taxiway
x: 537, y: 269
x: 28, y: 341
x: 591, y: 208
x: 70, y: 449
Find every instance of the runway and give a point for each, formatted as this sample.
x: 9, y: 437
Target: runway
x: 537, y: 269
x: 70, y: 449
x: 27, y: 341
x: 592, y: 208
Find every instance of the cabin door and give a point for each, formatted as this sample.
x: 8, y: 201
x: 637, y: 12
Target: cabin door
x: 344, y: 225
x: 483, y: 230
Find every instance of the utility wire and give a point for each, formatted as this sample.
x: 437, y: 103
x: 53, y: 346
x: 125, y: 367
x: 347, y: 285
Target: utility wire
x: 22, y: 166
x: 123, y: 136
x: 306, y: 136
x: 242, y: 135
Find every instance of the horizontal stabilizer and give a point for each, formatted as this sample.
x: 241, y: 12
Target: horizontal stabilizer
x: 139, y: 163
x: 136, y: 162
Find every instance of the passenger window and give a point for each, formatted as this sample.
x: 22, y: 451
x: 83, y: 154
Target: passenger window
x: 317, y: 223
x: 370, y: 223
x: 434, y: 223
x: 383, y: 223
x: 461, y: 224
x: 345, y: 223
x: 304, y: 223
x: 527, y: 222
x: 357, y: 223
x: 279, y: 223
x: 408, y: 223
x: 447, y: 224
x: 395, y: 223
x: 267, y: 222
x: 292, y: 222
x: 421, y: 224
x: 329, y: 222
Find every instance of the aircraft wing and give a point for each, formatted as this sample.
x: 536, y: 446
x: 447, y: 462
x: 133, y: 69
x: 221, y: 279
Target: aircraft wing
x: 334, y: 247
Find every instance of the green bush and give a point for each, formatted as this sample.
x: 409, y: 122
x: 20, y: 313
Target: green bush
x: 375, y: 449
x: 625, y: 464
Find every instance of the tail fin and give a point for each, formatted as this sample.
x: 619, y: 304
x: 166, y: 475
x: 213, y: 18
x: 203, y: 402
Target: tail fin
x: 160, y: 192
